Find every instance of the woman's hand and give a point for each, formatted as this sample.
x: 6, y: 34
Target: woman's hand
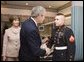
x: 4, y: 58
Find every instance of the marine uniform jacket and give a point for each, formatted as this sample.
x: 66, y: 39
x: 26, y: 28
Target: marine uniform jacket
x: 63, y: 36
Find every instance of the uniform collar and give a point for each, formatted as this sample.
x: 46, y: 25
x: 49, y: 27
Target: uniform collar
x: 59, y: 27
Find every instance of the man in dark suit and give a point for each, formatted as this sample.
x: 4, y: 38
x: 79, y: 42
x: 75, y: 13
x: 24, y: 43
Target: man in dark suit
x: 30, y: 40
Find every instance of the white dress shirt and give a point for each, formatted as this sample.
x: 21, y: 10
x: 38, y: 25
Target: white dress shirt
x: 34, y: 20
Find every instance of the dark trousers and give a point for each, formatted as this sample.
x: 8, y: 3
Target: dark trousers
x: 59, y: 55
x: 29, y: 58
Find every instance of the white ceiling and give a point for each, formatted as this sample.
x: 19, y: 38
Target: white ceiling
x: 46, y: 4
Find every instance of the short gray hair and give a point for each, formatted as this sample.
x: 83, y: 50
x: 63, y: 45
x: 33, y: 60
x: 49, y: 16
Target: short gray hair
x: 37, y: 10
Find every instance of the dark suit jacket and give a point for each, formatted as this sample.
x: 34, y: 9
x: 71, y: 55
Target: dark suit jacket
x: 30, y: 42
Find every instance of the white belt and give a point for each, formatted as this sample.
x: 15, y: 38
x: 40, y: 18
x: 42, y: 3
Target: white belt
x: 61, y: 48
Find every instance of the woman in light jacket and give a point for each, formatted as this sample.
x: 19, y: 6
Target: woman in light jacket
x: 11, y: 41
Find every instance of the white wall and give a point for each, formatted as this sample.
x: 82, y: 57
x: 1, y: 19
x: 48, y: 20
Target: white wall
x: 68, y: 19
x: 77, y: 3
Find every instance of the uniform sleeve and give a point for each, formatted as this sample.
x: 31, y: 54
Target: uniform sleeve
x: 34, y: 43
x: 5, y: 40
x: 70, y: 45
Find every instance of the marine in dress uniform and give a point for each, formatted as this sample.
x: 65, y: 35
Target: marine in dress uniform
x: 64, y: 44
x: 63, y: 40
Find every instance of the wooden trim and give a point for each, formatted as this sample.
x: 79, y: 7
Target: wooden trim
x: 64, y: 6
x: 5, y: 2
x: 67, y: 15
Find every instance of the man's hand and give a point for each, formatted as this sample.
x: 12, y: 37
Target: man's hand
x: 45, y: 40
x: 48, y: 51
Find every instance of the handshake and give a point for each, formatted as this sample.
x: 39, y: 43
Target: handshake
x: 44, y: 46
x: 48, y: 50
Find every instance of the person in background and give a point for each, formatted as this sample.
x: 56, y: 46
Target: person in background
x: 11, y: 40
